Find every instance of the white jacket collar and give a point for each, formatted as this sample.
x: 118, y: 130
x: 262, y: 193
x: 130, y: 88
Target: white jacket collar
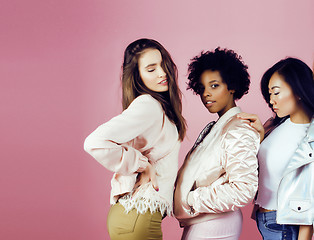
x: 229, y: 114
x: 301, y: 155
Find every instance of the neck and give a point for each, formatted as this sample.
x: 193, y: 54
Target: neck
x: 231, y: 105
x: 300, y: 117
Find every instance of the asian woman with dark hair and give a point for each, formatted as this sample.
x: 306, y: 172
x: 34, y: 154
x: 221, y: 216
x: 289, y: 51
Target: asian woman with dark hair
x: 285, y: 199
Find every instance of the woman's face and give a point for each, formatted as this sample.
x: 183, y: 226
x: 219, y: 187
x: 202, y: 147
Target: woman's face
x: 151, y: 72
x: 216, y: 97
x: 282, y: 99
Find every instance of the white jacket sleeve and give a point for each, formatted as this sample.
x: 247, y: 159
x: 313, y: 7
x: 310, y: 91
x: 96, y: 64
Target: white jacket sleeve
x: 238, y: 185
x: 108, y: 143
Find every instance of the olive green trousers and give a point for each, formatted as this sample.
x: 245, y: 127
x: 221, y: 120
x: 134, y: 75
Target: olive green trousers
x: 133, y: 225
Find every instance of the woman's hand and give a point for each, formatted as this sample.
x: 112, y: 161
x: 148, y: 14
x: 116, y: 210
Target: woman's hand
x: 255, y: 122
x: 146, y: 176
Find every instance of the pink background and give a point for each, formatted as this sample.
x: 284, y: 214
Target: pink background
x: 60, y: 66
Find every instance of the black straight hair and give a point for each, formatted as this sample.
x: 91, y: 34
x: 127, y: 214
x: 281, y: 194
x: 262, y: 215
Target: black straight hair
x: 299, y: 76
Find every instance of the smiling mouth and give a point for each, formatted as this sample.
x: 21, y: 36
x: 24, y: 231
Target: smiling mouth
x: 163, y: 81
x: 209, y: 103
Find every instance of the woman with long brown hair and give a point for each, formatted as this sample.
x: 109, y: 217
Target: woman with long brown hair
x: 141, y: 145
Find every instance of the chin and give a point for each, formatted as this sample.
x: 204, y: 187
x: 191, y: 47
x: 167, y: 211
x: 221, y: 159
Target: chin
x: 211, y: 110
x: 282, y: 115
x: 164, y: 89
x: 161, y: 90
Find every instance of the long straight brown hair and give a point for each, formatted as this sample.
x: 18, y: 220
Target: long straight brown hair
x: 133, y: 86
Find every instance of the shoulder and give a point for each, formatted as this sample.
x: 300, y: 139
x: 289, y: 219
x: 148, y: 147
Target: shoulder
x: 311, y: 129
x: 144, y: 97
x: 238, y: 134
x: 145, y: 106
x: 240, y: 127
x: 146, y: 101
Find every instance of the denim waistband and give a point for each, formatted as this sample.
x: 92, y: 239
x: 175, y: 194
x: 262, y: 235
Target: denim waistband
x: 266, y: 216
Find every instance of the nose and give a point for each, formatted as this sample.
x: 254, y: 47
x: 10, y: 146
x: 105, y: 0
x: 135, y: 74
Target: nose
x: 271, y: 100
x: 161, y: 73
x: 206, y: 92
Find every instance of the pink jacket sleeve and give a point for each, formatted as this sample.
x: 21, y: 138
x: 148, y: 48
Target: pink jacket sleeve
x: 108, y: 144
x: 238, y: 185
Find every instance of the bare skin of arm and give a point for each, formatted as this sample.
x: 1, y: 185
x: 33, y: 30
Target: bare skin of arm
x: 305, y: 232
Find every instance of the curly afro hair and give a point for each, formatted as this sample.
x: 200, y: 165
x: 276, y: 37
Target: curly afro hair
x: 230, y: 66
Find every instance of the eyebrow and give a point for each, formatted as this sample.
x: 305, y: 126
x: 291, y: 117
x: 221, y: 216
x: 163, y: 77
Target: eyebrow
x: 274, y: 87
x: 212, y: 81
x: 151, y: 65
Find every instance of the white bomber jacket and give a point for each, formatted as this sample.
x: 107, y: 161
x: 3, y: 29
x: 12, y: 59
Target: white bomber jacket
x: 220, y: 175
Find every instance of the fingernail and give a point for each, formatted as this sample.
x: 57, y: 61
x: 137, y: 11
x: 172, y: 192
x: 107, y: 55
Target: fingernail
x: 157, y: 189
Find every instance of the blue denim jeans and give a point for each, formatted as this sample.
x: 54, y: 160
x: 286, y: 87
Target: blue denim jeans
x: 271, y: 230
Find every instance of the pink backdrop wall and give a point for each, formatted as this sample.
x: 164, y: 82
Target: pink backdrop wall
x: 60, y: 65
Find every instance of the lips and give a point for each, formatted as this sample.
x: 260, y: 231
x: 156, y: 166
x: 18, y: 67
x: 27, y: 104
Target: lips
x: 164, y: 82
x: 208, y: 103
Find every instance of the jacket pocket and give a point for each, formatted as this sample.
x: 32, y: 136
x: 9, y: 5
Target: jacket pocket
x: 300, y: 205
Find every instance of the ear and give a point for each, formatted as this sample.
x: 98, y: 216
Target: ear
x: 232, y: 91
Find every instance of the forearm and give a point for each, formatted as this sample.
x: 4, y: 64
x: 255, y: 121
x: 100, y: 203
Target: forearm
x: 222, y: 198
x: 238, y: 185
x: 117, y: 158
x: 112, y: 144
x: 305, y: 232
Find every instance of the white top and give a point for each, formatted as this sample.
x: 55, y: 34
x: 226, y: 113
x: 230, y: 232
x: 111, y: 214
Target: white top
x: 273, y: 157
x: 125, y: 143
